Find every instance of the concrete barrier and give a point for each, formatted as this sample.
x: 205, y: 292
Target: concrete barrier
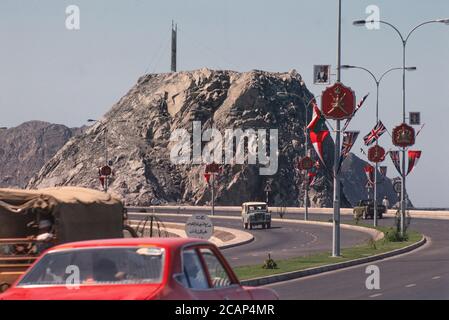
x: 420, y: 214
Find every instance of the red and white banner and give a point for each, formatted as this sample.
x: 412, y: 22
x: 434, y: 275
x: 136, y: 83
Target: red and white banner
x: 369, y: 171
x: 312, y: 177
x: 318, y: 131
x: 413, y: 157
x: 207, y: 177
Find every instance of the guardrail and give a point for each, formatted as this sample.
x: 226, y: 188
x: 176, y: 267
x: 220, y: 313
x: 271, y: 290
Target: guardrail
x: 444, y: 214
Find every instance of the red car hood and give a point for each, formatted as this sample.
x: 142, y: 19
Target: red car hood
x: 94, y: 292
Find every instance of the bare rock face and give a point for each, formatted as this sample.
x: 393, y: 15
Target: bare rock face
x: 26, y: 148
x: 138, y: 129
x: 134, y: 137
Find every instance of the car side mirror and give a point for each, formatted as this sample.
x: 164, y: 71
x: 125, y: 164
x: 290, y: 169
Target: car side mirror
x: 4, y: 286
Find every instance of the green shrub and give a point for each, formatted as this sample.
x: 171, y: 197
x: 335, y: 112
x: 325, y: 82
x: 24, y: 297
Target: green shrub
x: 270, y: 263
x: 393, y: 235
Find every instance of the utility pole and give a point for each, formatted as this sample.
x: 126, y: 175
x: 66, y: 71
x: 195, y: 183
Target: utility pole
x: 174, y: 36
x: 306, y: 176
x: 336, y: 218
x: 213, y: 193
x: 106, y: 179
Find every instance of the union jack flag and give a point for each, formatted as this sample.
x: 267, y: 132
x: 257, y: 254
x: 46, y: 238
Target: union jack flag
x: 377, y: 131
x: 359, y: 105
x: 349, y: 137
x: 395, y: 159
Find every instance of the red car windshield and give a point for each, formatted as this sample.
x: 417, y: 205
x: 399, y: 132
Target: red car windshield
x: 124, y: 265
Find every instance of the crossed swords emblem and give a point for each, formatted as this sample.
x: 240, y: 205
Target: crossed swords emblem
x: 338, y: 103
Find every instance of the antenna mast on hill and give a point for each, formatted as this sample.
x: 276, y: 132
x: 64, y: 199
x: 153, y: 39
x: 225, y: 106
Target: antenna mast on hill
x: 174, y: 34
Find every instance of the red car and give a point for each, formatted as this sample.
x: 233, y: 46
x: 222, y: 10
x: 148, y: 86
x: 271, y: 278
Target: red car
x: 133, y: 268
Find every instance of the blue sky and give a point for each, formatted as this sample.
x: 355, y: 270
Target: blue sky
x: 52, y: 74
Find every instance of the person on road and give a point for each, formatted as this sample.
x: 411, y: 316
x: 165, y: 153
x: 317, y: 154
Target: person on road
x: 386, y: 203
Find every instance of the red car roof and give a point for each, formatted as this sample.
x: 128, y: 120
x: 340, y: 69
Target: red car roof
x: 162, y: 242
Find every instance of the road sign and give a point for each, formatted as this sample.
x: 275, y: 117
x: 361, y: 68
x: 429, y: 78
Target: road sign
x: 305, y: 163
x: 268, y: 187
x: 212, y: 168
x: 415, y: 118
x: 106, y: 171
x: 376, y: 154
x: 200, y: 226
x: 338, y: 102
x: 403, y: 136
x: 321, y: 74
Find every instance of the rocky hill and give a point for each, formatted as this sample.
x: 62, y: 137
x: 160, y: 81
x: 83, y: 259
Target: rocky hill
x: 135, y: 136
x: 26, y: 148
x: 354, y: 181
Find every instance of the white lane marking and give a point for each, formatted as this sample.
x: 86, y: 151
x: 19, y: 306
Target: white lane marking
x: 436, y: 278
x: 375, y: 295
x: 410, y: 285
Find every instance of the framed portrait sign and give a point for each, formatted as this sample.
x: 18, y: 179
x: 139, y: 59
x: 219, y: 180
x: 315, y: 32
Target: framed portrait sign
x: 321, y: 74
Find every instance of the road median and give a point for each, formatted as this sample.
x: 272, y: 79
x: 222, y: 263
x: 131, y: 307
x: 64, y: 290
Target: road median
x: 295, y: 268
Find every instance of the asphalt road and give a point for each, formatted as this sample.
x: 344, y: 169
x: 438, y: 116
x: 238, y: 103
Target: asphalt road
x: 421, y: 274
x: 283, y: 240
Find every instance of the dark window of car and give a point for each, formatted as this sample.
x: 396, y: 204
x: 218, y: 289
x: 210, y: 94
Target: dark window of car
x: 257, y: 208
x: 195, y: 277
x: 218, y: 274
x: 121, y: 265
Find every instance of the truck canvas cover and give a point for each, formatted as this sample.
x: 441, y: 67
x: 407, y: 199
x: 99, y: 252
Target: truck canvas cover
x: 78, y: 213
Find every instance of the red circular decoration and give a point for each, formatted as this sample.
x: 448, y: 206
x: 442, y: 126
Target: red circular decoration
x: 403, y: 136
x: 305, y: 163
x: 376, y: 154
x: 106, y: 171
x: 338, y: 102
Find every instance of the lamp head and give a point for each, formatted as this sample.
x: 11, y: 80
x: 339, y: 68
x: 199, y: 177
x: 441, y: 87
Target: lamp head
x: 445, y: 21
x: 359, y: 22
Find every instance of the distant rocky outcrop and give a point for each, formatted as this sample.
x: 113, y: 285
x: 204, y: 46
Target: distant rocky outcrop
x: 26, y: 148
x: 354, y: 180
x: 138, y: 129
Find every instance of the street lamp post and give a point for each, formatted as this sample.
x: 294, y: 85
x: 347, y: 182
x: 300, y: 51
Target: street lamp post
x: 377, y: 81
x: 336, y: 196
x: 404, y: 41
